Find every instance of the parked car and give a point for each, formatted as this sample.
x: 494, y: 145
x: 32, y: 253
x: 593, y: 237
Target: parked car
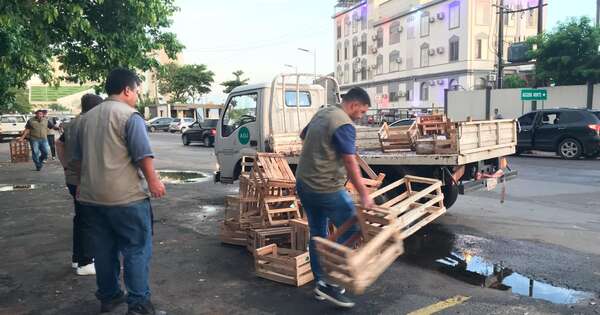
x: 571, y: 133
x: 158, y: 123
x: 11, y: 126
x: 203, y: 132
x: 180, y: 124
x: 403, y: 122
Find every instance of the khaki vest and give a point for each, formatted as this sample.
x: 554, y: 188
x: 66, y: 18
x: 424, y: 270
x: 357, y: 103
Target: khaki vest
x: 70, y: 134
x: 320, y: 166
x: 39, y: 128
x: 108, y: 175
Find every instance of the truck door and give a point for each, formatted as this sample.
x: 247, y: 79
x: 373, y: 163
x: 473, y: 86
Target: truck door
x: 237, y: 131
x: 547, y: 131
x: 526, y: 131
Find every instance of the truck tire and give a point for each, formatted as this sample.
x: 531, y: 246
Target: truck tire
x: 185, y: 140
x: 570, y: 149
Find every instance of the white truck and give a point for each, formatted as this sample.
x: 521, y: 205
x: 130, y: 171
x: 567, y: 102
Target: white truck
x: 11, y: 126
x: 264, y: 118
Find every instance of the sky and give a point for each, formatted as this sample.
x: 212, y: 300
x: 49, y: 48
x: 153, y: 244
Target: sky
x: 260, y: 37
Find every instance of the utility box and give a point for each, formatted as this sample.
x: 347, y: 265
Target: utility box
x: 517, y: 52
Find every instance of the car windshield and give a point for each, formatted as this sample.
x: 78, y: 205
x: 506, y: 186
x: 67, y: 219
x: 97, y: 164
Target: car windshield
x: 12, y: 119
x: 176, y: 120
x: 210, y: 123
x: 188, y: 119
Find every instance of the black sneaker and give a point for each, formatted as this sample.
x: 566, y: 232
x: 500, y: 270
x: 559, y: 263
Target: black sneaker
x: 333, y: 295
x: 110, y: 305
x: 144, y: 308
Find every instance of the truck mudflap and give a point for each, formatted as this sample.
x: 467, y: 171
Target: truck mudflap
x: 486, y: 183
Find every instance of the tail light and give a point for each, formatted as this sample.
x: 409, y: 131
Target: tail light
x: 213, y: 132
x: 595, y: 127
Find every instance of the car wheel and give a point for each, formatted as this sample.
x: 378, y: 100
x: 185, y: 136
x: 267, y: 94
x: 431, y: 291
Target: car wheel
x: 152, y: 129
x: 185, y: 140
x: 569, y: 149
x: 206, y: 141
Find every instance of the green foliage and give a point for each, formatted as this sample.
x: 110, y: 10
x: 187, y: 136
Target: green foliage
x: 58, y: 108
x: 88, y: 38
x: 568, y: 55
x: 232, y: 84
x: 145, y: 101
x: 184, y: 82
x: 514, y: 81
x: 19, y: 103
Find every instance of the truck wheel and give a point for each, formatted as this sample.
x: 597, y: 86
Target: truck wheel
x: 570, y: 149
x: 185, y: 140
x: 450, y: 191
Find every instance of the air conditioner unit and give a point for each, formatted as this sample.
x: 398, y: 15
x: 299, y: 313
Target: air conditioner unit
x: 431, y: 19
x: 440, y: 82
x: 440, y: 50
x: 431, y: 52
x: 399, y: 60
x: 441, y: 16
x: 432, y: 83
x: 374, y: 50
x: 374, y: 37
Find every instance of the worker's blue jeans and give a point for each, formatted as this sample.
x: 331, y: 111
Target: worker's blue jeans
x: 320, y: 208
x: 39, y: 151
x: 125, y: 229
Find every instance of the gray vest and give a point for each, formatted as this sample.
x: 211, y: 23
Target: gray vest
x: 108, y: 174
x: 39, y: 128
x: 320, y: 166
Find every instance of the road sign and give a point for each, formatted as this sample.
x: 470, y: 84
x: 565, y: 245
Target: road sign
x: 534, y: 95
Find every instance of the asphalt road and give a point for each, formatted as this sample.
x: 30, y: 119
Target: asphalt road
x: 541, y: 241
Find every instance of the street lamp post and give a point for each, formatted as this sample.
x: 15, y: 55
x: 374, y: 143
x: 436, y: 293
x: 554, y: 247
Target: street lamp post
x: 293, y: 67
x: 314, y: 53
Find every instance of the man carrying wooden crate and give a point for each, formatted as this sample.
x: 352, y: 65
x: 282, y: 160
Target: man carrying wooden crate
x: 328, y: 154
x: 37, y: 131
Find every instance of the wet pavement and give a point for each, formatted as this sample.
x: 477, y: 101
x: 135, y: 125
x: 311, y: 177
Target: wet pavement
x: 535, y: 254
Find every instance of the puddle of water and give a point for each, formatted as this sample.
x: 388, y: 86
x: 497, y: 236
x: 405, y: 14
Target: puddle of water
x: 181, y: 177
x: 437, y: 249
x: 16, y: 187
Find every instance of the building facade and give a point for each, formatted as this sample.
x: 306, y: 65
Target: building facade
x: 406, y: 53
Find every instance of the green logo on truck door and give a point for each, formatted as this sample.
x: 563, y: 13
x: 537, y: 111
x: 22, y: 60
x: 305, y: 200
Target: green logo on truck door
x: 244, y: 135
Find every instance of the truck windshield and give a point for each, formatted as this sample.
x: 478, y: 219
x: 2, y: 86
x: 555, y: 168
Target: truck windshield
x: 240, y: 110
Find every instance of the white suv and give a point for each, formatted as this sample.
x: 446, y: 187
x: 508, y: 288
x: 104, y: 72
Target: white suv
x: 11, y: 126
x: 180, y: 124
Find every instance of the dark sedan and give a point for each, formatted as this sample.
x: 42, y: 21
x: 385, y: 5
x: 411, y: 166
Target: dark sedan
x: 203, y: 132
x: 158, y: 123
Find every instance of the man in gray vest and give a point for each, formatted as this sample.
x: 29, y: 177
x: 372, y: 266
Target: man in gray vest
x: 37, y: 131
x: 115, y: 151
x: 83, y: 254
x: 328, y: 154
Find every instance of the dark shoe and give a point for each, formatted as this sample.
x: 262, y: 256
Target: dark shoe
x: 144, y: 308
x: 111, y: 304
x: 333, y: 295
x: 38, y: 168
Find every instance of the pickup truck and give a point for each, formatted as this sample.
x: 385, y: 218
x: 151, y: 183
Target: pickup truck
x: 11, y: 126
x: 269, y: 118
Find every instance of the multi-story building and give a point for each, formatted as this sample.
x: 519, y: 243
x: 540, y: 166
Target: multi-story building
x: 407, y: 52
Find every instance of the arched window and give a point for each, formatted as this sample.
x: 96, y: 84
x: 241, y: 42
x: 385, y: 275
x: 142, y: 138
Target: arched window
x: 355, y: 21
x: 424, y: 91
x: 453, y: 85
x: 394, y: 61
x: 363, y: 69
x: 379, y: 69
x: 346, y: 44
x: 346, y: 73
x: 379, y: 37
x: 354, y: 47
x: 425, y: 55
x: 425, y: 24
x: 347, y: 25
x: 339, y: 29
x: 453, y: 48
x: 363, y: 44
x: 339, y: 52
x: 395, y: 32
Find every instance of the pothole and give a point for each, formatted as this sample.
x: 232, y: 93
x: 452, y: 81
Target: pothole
x: 18, y: 187
x: 181, y: 177
x: 440, y: 250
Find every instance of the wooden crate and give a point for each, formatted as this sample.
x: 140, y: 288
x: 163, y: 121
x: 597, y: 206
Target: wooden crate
x: 282, y: 236
x: 229, y: 234
x: 283, y: 265
x: 357, y: 263
x: 301, y: 234
x: 19, y: 151
x: 397, y: 138
x: 372, y: 182
x: 413, y: 202
x: 435, y: 124
x: 436, y: 146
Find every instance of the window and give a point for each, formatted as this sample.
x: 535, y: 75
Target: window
x: 453, y: 53
x: 532, y: 18
x: 240, y: 110
x: 304, y: 98
x: 339, y: 73
x: 394, y: 65
x: 347, y: 25
x: 479, y: 49
x: 363, y: 44
x: 339, y: 51
x: 425, y: 55
x: 355, y: 22
x: 409, y: 92
x: 454, y: 15
x: 482, y: 17
x: 339, y: 30
x: 395, y: 33
x: 363, y: 17
x: 363, y: 69
x: 355, y: 70
x: 12, y: 119
x: 379, y: 69
x: 550, y: 119
x: 410, y: 27
x: 570, y: 117
x: 425, y: 24
x: 393, y: 92
x: 424, y: 91
x: 453, y: 85
x: 354, y: 47
x: 379, y: 37
x: 346, y: 73
x: 379, y: 89
x: 210, y: 123
x: 527, y: 120
x: 346, y: 44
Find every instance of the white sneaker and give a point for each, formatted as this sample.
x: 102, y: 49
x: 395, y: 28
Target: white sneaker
x: 74, y: 265
x: 87, y: 270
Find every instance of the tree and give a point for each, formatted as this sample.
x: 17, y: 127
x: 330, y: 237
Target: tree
x: 88, y: 38
x: 185, y: 82
x: 232, y: 84
x: 514, y: 81
x: 58, y: 108
x: 568, y: 55
x: 19, y: 103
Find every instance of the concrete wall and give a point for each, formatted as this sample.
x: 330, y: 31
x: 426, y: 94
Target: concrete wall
x: 462, y: 104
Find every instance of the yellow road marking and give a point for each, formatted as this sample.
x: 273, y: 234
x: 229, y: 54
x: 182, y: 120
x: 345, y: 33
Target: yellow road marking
x: 440, y: 306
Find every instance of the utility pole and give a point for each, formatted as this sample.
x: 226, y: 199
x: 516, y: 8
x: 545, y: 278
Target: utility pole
x: 500, y: 44
x: 540, y: 29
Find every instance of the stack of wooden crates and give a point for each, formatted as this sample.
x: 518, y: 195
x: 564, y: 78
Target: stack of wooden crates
x: 19, y: 151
